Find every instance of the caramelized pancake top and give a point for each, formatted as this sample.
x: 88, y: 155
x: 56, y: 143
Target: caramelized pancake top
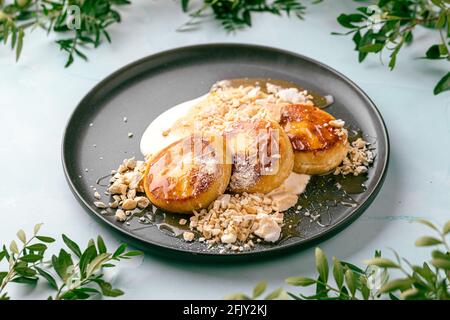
x: 308, y: 129
x: 255, y: 151
x: 183, y: 169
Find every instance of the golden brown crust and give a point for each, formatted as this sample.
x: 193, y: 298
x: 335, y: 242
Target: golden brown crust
x: 261, y: 154
x: 188, y: 174
x: 318, y: 146
x: 307, y: 127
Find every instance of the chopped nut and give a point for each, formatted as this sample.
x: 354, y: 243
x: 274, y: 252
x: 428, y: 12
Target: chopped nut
x: 118, y: 188
x: 188, y: 236
x: 129, y: 204
x: 100, y: 204
x: 114, y: 204
x: 97, y: 195
x: 357, y: 160
x: 120, y: 215
x: 131, y: 194
x: 130, y: 163
x: 338, y: 123
x: 142, y: 202
x: 228, y: 238
x: 182, y: 222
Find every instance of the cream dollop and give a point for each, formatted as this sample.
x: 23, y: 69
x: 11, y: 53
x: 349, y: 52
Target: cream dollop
x: 153, y: 139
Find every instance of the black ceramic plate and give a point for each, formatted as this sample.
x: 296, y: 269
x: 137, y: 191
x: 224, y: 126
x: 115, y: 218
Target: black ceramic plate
x: 96, y: 138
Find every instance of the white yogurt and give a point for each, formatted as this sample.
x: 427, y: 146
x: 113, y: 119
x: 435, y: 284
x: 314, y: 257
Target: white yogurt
x: 153, y: 140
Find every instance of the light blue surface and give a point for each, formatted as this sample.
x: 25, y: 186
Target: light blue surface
x: 37, y: 96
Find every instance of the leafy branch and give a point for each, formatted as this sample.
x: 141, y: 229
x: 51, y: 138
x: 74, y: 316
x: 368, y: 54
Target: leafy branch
x: 388, y: 26
x: 237, y: 14
x: 428, y: 281
x: 86, y: 21
x: 73, y: 275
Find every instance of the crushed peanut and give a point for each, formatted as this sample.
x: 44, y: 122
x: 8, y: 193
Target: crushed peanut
x: 120, y: 215
x: 235, y: 219
x: 358, y: 159
x: 188, y: 236
x: 99, y: 204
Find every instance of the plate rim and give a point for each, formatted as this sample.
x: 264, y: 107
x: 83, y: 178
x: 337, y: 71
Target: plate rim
x: 305, y: 243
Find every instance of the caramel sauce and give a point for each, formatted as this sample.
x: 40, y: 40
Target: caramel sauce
x: 307, y: 128
x: 182, y: 170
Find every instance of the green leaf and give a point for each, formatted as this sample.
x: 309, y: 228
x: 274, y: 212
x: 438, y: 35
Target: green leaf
x: 19, y: 44
x: 375, y: 48
x: 13, y: 247
x: 338, y: 272
x: 425, y: 272
x: 2, y: 255
x: 47, y: 276
x: 409, y: 294
x: 21, y: 235
x: 322, y: 265
x: 427, y: 241
x: 25, y: 280
x: 184, y: 5
x: 365, y: 291
x: 133, y: 253
x: 350, y: 280
x: 31, y: 258
x: 393, y: 297
x: 433, y: 52
x: 440, y: 23
x: 3, y: 275
x: 274, y: 294
x: 45, y: 239
x: 5, y: 252
x: 398, y: 284
x: 107, y: 289
x: 37, y: 247
x: 441, y: 264
x: 446, y: 229
x: 4, y: 296
x: 237, y: 296
x: 25, y: 271
x: 259, y: 289
x: 346, y: 20
x: 352, y: 267
x: 120, y: 250
x: 381, y: 262
x: 61, y: 263
x: 108, y: 265
x: 101, y: 245
x: 440, y: 255
x: 443, y: 84
x: 75, y: 294
x: 88, y: 255
x: 96, y: 263
x: 72, y: 245
x: 321, y: 289
x: 300, y: 281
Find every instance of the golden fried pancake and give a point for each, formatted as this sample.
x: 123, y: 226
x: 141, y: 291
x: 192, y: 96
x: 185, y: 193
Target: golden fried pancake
x: 188, y: 174
x: 318, y: 146
x: 261, y: 154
